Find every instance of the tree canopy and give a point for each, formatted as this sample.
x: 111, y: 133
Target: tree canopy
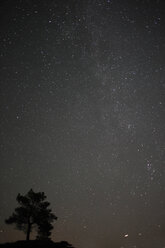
x: 33, y: 212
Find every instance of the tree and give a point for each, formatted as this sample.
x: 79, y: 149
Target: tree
x: 33, y: 212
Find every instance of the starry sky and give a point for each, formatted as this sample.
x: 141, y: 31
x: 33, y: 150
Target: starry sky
x: 82, y: 95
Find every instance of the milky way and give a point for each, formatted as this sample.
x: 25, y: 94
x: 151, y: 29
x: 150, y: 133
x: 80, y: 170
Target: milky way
x: 82, y: 96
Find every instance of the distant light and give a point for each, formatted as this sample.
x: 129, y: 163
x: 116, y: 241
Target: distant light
x: 126, y: 236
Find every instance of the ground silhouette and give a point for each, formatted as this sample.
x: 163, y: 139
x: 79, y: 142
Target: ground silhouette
x: 37, y: 244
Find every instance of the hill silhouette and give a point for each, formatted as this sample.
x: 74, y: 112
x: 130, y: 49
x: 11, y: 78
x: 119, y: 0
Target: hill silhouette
x: 37, y: 244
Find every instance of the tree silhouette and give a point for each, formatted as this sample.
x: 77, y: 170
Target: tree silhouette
x: 33, y: 212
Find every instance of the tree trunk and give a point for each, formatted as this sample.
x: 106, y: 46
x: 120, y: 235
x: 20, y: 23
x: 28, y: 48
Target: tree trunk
x: 28, y: 232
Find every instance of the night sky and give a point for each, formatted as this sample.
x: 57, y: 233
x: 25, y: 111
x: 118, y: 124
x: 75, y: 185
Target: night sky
x: 82, y: 112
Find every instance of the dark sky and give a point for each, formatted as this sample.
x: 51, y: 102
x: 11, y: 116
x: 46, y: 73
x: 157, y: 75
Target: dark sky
x: 82, y: 95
